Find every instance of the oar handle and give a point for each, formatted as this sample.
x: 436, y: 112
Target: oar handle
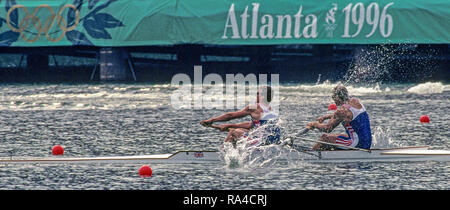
x: 305, y: 130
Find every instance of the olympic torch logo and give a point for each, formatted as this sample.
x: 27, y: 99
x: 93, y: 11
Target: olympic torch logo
x: 330, y: 26
x: 39, y: 25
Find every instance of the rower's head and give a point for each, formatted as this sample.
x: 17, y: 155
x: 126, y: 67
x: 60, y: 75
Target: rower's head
x: 264, y: 94
x: 340, y: 95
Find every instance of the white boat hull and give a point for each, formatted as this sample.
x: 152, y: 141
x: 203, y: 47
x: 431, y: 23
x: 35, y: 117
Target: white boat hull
x: 415, y: 154
x: 383, y: 155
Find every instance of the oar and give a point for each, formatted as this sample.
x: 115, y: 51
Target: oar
x: 303, y: 131
x: 302, y: 149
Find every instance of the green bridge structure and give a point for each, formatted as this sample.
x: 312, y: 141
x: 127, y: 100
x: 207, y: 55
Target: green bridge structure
x: 115, y: 40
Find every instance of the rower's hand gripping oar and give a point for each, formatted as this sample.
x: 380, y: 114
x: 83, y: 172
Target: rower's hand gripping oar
x: 303, y: 131
x: 206, y: 124
x: 215, y: 126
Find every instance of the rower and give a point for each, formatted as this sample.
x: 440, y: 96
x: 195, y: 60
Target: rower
x: 261, y: 113
x: 353, y: 116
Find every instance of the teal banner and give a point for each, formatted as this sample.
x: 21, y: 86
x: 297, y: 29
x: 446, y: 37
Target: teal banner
x: 225, y: 22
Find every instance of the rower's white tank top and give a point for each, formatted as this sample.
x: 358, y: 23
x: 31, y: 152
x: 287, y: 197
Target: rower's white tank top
x: 268, y: 113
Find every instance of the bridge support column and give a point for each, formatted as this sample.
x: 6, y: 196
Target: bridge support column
x: 115, y: 64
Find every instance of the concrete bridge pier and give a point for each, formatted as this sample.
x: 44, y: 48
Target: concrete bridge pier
x: 115, y: 65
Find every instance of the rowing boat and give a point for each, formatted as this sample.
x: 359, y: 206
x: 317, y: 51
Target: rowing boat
x: 413, y: 153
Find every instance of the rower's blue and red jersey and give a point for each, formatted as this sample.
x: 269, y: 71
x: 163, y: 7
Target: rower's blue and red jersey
x: 358, y: 130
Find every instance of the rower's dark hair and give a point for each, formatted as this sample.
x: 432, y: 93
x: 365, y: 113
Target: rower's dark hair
x: 341, y: 92
x: 267, y: 92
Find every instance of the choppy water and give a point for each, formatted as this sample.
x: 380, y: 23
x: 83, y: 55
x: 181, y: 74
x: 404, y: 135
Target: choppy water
x: 132, y: 119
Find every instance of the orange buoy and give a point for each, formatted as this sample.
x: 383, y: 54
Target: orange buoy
x: 424, y: 119
x: 57, y: 150
x: 332, y: 107
x: 145, y: 171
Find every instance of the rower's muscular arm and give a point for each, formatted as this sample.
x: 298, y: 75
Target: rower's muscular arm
x: 334, y: 121
x: 232, y: 115
x: 229, y: 116
x: 325, y: 117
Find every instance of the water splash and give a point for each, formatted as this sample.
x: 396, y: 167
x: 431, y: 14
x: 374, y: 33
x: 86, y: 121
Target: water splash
x: 250, y: 153
x: 380, y: 63
x: 382, y: 138
x: 248, y: 156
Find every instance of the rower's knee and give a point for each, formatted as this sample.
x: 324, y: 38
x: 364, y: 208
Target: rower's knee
x: 230, y: 136
x: 328, y: 138
x: 235, y: 133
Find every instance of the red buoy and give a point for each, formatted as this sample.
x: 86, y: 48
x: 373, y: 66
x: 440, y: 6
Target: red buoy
x: 424, y: 119
x: 145, y: 171
x: 332, y: 107
x: 57, y: 150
